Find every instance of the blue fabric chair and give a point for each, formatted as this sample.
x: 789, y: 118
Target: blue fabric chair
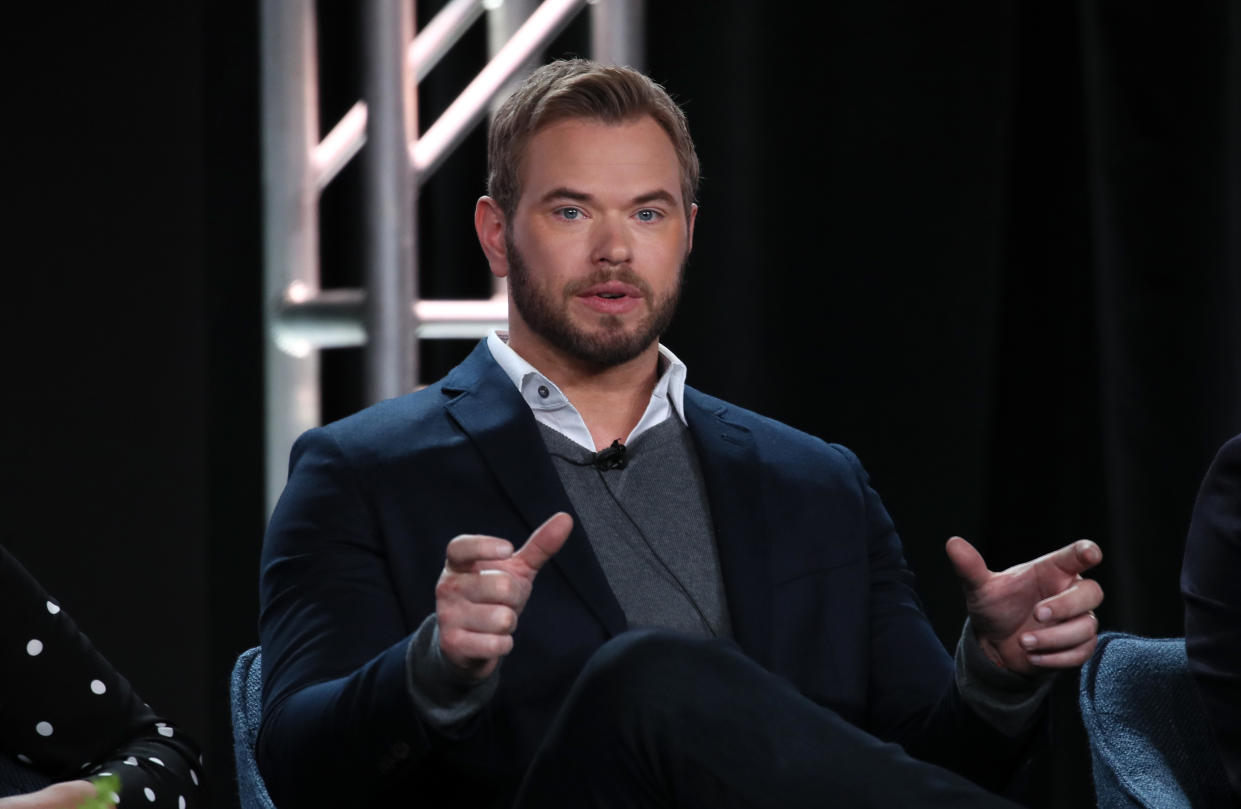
x: 1149, y: 742
x: 246, y: 696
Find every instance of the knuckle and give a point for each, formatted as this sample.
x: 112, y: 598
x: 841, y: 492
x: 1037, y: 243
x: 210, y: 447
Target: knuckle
x: 482, y: 645
x: 448, y: 588
x: 448, y: 618
x: 506, y: 619
x: 451, y: 637
x: 505, y: 589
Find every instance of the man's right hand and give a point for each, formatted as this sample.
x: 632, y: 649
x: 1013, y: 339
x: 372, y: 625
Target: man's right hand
x: 483, y: 589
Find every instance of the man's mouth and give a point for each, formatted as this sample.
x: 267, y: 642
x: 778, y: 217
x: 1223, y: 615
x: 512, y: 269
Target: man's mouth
x: 611, y: 290
x: 611, y: 297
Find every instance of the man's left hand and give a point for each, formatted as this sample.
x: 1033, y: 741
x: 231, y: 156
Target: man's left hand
x: 1036, y: 615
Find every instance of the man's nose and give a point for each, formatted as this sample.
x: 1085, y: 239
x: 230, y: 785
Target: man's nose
x: 612, y: 242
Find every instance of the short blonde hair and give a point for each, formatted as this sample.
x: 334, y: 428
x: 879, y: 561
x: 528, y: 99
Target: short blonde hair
x: 580, y: 88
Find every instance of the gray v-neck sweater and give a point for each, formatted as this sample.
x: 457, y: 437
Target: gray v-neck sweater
x: 649, y: 525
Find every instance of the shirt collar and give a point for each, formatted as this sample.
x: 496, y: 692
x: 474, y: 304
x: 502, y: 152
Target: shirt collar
x: 553, y: 408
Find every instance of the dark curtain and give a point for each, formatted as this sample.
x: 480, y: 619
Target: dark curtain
x: 1164, y: 154
x: 994, y: 247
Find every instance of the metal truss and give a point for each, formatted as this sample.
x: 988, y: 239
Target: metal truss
x: 386, y: 316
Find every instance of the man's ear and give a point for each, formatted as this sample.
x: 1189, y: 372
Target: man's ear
x: 693, y: 217
x: 489, y: 224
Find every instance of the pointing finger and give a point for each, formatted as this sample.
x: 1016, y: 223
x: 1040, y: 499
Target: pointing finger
x: 1061, y: 637
x: 1069, y: 658
x: 546, y: 540
x: 492, y: 586
x: 494, y: 619
x: 1077, y: 599
x: 967, y: 562
x: 473, y: 651
x: 1076, y: 557
x: 463, y: 551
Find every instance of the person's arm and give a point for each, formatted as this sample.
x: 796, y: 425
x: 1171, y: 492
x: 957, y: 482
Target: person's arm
x: 1037, y: 616
x: 1009, y: 702
x: 1209, y: 584
x: 1030, y: 621
x: 454, y: 656
x: 339, y: 723
x: 914, y: 697
x: 69, y: 714
x: 65, y: 795
x: 349, y: 690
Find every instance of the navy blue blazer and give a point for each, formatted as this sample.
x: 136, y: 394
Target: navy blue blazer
x: 1209, y: 583
x: 817, y: 588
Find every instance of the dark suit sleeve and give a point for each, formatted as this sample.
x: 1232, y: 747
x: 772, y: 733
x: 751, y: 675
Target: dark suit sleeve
x: 339, y: 727
x: 1209, y: 583
x: 913, y: 695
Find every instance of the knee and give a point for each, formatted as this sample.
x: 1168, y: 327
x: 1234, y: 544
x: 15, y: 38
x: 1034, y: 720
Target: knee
x: 649, y: 667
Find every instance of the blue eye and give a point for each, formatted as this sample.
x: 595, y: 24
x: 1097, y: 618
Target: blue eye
x: 649, y: 215
x: 570, y: 213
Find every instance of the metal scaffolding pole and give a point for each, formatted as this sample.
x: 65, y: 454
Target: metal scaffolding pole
x: 434, y: 40
x: 291, y: 217
x: 386, y: 317
x: 503, y: 20
x: 616, y: 32
x: 391, y: 358
x: 469, y: 108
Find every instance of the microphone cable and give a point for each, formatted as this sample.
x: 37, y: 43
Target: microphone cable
x: 615, y: 457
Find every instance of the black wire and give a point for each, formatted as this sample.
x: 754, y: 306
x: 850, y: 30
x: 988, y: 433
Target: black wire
x: 667, y: 568
x: 711, y: 630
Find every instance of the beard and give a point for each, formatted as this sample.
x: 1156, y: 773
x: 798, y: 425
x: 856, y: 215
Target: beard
x: 609, y: 343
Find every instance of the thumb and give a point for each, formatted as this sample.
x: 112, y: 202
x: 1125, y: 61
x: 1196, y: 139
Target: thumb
x: 546, y: 540
x: 967, y: 562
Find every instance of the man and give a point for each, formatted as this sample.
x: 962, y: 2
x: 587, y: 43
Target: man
x: 1213, y: 603
x: 721, y: 614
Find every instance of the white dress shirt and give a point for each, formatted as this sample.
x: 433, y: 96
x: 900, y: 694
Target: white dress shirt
x: 551, y: 407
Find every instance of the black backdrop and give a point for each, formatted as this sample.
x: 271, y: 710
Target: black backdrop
x: 994, y: 247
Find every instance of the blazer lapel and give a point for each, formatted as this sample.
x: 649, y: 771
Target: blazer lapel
x: 488, y: 407
x: 730, y: 468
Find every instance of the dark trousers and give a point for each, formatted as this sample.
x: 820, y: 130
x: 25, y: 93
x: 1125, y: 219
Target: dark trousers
x: 661, y: 720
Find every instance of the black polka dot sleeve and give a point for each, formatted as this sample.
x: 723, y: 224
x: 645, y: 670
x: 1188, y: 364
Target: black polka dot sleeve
x: 66, y: 712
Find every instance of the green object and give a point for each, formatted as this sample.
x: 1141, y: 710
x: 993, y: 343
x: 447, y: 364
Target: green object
x: 107, y: 789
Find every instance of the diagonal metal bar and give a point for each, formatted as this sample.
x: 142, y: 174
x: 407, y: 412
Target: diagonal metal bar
x: 341, y: 144
x: 463, y: 114
x: 439, y: 35
x: 349, y: 135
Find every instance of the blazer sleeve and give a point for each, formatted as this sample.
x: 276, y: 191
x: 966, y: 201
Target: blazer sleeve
x: 339, y: 727
x: 913, y: 697
x: 1209, y: 577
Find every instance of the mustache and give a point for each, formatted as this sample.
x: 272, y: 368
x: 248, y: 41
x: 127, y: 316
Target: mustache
x: 601, y: 276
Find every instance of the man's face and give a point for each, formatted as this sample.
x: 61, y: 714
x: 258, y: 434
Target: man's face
x: 597, y: 245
